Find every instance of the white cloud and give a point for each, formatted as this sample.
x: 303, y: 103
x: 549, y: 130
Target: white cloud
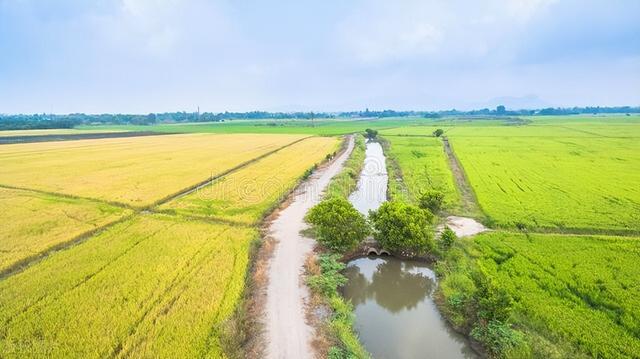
x: 379, y: 31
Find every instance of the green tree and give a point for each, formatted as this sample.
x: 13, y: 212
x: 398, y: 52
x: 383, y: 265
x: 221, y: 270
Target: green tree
x: 371, y: 134
x: 400, y: 226
x: 337, y: 224
x: 439, y: 132
x: 448, y: 237
x: 431, y: 200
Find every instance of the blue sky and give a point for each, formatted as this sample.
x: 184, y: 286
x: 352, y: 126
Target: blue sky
x: 140, y: 56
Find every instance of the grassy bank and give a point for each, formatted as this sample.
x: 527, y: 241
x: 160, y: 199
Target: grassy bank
x: 346, y: 181
x: 564, y: 295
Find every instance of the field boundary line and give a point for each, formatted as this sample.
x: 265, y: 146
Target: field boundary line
x: 71, y: 196
x: 574, y: 231
x: 211, y: 220
x: 211, y: 179
x: 84, y: 280
x: 38, y: 257
x: 469, y: 200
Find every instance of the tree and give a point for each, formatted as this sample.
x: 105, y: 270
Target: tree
x: 501, y: 110
x: 338, y: 225
x: 447, y: 237
x: 371, y: 134
x: 400, y: 226
x: 438, y: 132
x: 432, y: 200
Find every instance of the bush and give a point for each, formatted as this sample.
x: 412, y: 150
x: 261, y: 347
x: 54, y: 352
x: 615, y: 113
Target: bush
x: 499, y: 338
x: 432, y: 201
x: 399, y: 226
x: 438, y: 132
x: 447, y: 237
x: 370, y: 134
x: 337, y: 224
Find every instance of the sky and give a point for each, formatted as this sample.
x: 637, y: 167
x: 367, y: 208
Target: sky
x: 142, y: 56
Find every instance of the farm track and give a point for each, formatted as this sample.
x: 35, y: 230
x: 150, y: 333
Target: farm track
x: 470, y: 206
x: 287, y: 332
x: 27, y: 262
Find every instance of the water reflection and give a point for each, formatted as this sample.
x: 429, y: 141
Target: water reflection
x: 393, y: 285
x: 371, y: 191
x: 395, y: 313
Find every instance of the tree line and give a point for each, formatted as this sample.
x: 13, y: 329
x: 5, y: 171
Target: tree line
x: 49, y: 121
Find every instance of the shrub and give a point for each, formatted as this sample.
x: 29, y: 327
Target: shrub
x: 371, y: 134
x: 400, y: 226
x: 432, y: 200
x: 447, y: 237
x: 438, y: 132
x: 337, y: 224
x: 498, y: 337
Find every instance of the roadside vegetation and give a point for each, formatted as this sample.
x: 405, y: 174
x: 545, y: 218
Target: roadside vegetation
x: 346, y: 181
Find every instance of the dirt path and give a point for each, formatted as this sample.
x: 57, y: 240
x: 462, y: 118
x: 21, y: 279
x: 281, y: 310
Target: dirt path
x: 469, y: 202
x: 463, y: 226
x: 287, y: 332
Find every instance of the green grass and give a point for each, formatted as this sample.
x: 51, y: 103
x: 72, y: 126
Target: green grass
x: 586, y: 182
x: 345, y: 182
x: 575, y: 296
x: 424, y: 167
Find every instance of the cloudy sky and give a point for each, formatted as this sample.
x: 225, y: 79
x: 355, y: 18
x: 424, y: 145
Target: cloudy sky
x: 141, y: 56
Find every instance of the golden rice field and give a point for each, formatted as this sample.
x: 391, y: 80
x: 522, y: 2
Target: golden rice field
x: 35, y: 222
x: 246, y: 195
x: 136, y: 171
x: 155, y: 285
x: 137, y: 283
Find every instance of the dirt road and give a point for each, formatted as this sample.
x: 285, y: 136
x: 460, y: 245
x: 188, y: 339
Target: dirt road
x: 287, y: 332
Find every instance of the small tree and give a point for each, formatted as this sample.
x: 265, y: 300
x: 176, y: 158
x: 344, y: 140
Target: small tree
x: 438, y: 132
x: 338, y: 225
x: 400, y: 226
x: 447, y: 237
x: 371, y: 134
x: 432, y: 200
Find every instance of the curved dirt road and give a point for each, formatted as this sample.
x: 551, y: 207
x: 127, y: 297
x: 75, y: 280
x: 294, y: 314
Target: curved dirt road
x: 287, y: 332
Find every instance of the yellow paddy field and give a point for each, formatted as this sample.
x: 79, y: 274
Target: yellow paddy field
x: 136, y: 171
x: 90, y: 268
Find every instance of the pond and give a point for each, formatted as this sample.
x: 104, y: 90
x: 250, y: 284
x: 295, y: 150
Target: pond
x: 395, y: 313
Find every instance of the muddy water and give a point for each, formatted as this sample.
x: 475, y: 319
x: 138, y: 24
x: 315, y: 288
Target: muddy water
x: 371, y: 191
x: 395, y: 314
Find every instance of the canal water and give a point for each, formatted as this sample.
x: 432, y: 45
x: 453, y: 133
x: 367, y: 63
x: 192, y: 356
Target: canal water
x: 395, y: 312
x: 371, y: 191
